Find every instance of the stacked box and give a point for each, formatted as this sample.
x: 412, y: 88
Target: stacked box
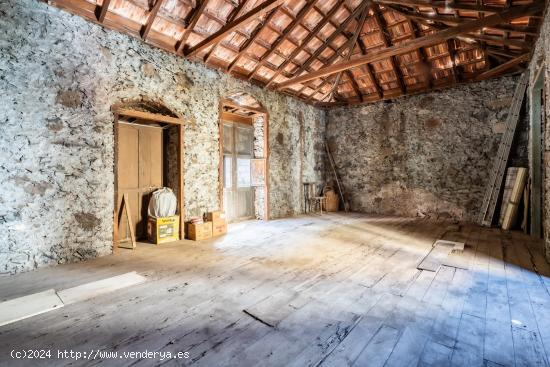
x: 199, y: 231
x: 219, y: 225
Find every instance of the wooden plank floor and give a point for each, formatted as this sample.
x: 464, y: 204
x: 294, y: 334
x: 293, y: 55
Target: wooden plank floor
x: 331, y: 290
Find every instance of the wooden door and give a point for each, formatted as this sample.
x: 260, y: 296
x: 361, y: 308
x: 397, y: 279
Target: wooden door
x: 139, y: 171
x: 238, y: 144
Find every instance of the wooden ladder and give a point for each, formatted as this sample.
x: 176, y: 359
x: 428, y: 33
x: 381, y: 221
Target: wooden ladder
x: 497, y: 174
x: 340, y: 188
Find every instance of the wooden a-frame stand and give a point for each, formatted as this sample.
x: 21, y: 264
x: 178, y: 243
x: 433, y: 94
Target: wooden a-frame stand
x: 124, y: 206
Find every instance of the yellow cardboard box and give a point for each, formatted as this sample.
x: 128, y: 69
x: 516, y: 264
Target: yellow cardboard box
x: 163, y: 229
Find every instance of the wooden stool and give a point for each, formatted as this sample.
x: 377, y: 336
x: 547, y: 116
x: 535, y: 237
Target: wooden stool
x: 317, y: 202
x: 309, y: 192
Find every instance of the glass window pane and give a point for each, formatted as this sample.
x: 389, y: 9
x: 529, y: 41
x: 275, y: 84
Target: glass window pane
x: 243, y: 172
x: 227, y: 161
x: 227, y: 138
x: 245, y: 140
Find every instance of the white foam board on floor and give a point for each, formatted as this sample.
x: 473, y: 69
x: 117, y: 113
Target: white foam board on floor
x: 90, y: 290
x: 23, y: 307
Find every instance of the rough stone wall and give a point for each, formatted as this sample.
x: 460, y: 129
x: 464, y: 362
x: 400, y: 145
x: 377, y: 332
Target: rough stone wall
x: 425, y: 155
x: 59, y: 77
x: 541, y: 59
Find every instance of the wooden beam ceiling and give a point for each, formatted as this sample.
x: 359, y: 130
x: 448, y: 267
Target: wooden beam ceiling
x: 503, y: 67
x: 236, y: 13
x: 321, y: 49
x: 254, y: 14
x: 101, y: 10
x: 352, y: 44
x: 194, y: 18
x: 144, y: 32
x: 404, y: 46
x: 429, y: 40
x: 297, y: 21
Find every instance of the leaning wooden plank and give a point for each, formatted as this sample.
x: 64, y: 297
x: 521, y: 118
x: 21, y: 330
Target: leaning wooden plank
x: 515, y: 197
x: 93, y: 289
x: 511, y: 173
x: 23, y: 307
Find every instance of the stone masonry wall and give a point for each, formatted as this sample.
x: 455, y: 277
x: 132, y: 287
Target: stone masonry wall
x: 59, y: 77
x: 425, y: 155
x: 259, y: 192
x: 541, y: 59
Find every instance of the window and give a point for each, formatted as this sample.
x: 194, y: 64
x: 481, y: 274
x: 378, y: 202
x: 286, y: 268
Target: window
x: 227, y: 162
x: 243, y: 172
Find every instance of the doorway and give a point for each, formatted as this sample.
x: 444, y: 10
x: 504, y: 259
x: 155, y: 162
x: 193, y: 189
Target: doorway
x: 238, y: 152
x: 148, y: 156
x: 140, y: 171
x: 243, y: 186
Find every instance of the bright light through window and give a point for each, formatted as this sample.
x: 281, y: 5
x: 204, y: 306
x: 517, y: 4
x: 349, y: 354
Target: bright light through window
x: 243, y: 172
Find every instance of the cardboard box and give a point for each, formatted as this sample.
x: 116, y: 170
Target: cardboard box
x: 218, y: 214
x: 165, y: 229
x: 219, y: 227
x: 199, y: 232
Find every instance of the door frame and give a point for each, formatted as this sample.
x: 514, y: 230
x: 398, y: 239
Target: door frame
x: 257, y: 113
x: 148, y: 117
x: 536, y: 167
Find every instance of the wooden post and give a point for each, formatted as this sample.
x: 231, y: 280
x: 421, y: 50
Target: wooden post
x: 181, y: 196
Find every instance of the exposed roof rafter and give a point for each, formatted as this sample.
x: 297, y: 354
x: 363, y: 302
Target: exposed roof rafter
x: 101, y: 11
x: 302, y: 47
x: 252, y: 15
x: 144, y: 32
x: 429, y: 40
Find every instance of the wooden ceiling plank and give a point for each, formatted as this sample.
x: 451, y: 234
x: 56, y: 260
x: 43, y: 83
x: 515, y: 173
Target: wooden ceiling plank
x: 236, y: 13
x: 429, y: 40
x: 382, y: 25
x: 252, y: 15
x: 296, y: 22
x: 352, y: 43
x: 101, y: 11
x: 144, y: 32
x: 354, y: 85
x: 251, y: 40
x: 322, y: 48
x: 338, y: 53
x: 192, y: 22
x: 370, y: 71
x: 424, y: 57
x: 305, y: 42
